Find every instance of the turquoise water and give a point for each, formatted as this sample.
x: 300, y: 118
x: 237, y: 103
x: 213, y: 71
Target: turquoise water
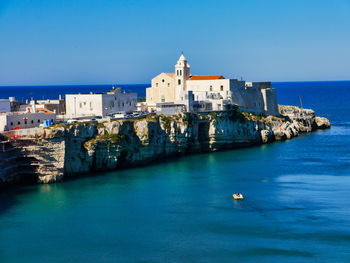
x: 297, y: 206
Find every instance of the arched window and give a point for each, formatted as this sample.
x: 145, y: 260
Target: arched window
x: 179, y: 81
x: 180, y: 72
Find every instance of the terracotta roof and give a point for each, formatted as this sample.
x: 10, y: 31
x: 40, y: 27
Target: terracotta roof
x: 170, y: 74
x: 44, y: 111
x: 206, y: 77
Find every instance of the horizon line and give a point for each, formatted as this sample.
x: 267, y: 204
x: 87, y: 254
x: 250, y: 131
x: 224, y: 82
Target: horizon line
x: 116, y: 85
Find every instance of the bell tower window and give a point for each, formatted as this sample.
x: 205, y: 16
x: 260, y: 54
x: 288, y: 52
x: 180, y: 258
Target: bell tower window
x: 179, y: 81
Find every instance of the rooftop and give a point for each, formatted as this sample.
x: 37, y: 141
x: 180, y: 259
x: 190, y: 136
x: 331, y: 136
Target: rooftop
x: 206, y: 77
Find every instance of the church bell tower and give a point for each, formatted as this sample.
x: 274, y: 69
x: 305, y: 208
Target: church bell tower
x: 182, y: 73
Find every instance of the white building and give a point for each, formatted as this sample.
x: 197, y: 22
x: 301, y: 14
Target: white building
x: 99, y: 104
x: 5, y: 105
x: 57, y: 106
x: 31, y: 118
x: 210, y: 92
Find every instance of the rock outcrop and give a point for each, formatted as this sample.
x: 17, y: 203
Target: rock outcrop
x: 322, y: 123
x: 62, y: 151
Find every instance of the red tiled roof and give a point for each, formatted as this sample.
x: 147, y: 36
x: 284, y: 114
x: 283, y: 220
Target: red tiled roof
x: 44, y: 111
x: 206, y: 77
x: 170, y: 74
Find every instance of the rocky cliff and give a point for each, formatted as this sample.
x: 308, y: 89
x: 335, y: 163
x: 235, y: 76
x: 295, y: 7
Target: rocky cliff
x: 61, y: 151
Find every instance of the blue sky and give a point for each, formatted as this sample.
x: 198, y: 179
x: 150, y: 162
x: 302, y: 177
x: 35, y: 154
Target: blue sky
x: 45, y: 42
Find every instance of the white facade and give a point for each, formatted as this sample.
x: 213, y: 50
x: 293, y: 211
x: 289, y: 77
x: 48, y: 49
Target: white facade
x: 9, y: 121
x: 214, y: 92
x: 5, y: 105
x: 88, y: 105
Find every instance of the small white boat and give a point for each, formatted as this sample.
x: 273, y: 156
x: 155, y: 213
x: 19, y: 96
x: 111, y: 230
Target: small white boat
x: 237, y: 196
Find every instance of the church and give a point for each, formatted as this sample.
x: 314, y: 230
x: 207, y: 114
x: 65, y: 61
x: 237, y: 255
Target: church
x: 183, y: 92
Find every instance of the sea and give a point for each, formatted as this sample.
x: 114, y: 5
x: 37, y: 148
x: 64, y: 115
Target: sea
x: 296, y: 206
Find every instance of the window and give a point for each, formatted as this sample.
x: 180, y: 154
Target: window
x: 39, y: 121
x: 211, y: 88
x: 25, y: 121
x: 11, y: 123
x: 179, y: 81
x: 84, y: 103
x: 168, y: 84
x: 19, y: 123
x: 156, y: 84
x: 162, y: 80
x: 163, y: 99
x: 221, y: 87
x: 31, y: 121
x: 80, y: 104
x: 180, y: 72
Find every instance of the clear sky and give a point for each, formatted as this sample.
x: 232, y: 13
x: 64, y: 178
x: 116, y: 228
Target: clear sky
x: 44, y: 42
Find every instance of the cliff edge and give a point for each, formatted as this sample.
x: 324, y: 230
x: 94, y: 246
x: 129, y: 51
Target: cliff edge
x: 60, y: 151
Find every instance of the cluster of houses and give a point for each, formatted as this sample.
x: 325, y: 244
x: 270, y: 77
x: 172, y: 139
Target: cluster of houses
x: 169, y: 93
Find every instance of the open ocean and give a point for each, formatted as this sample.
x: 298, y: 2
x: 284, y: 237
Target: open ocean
x: 297, y: 206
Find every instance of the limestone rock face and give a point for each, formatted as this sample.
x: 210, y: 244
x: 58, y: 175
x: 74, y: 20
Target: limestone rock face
x: 80, y: 148
x: 322, y: 123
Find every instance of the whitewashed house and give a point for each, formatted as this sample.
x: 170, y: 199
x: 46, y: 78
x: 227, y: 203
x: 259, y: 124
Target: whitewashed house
x: 30, y: 118
x: 5, y: 105
x: 99, y: 104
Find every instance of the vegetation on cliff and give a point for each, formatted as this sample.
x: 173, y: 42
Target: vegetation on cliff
x: 83, y: 147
